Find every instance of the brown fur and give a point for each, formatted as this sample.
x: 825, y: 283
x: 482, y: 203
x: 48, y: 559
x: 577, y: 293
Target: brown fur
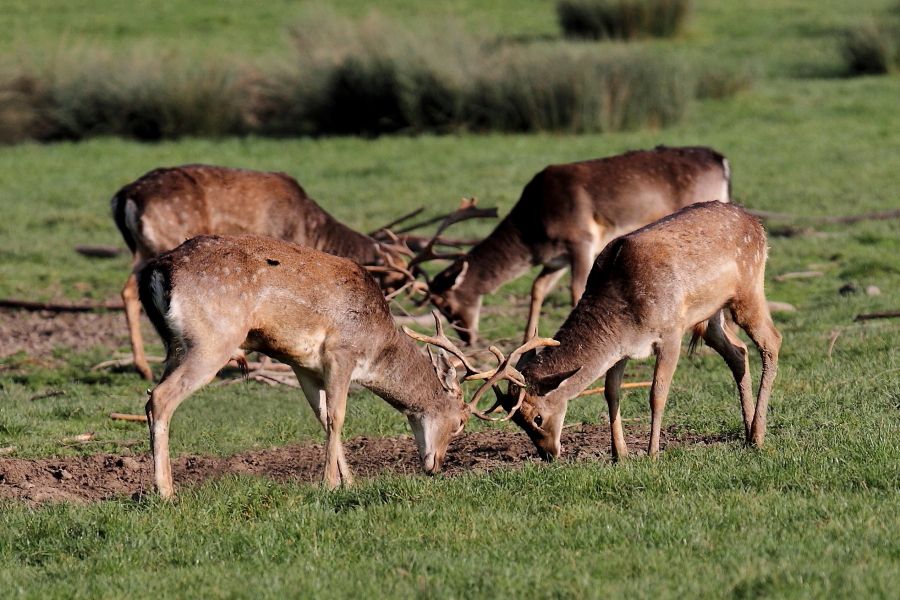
x: 645, y: 291
x: 566, y: 215
x: 167, y: 206
x: 323, y: 315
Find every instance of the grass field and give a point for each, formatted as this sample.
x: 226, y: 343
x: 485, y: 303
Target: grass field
x: 813, y: 514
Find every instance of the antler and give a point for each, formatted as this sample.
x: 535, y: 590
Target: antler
x: 505, y: 370
x: 441, y: 341
x: 465, y: 211
x: 385, y: 228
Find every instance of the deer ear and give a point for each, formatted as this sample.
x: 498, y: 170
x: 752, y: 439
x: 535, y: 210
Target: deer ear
x: 460, y: 274
x: 445, y: 370
x: 549, y: 383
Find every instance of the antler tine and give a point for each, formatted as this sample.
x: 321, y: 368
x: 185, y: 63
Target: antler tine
x: 397, y: 221
x: 441, y: 341
x: 466, y: 210
x: 506, y: 371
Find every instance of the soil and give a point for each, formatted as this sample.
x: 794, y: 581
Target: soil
x: 105, y: 476
x: 37, y: 333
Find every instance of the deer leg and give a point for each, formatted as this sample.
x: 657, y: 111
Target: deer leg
x: 337, y: 385
x: 542, y: 285
x: 666, y: 360
x: 755, y: 319
x: 133, y: 318
x: 196, y: 370
x: 721, y: 339
x: 582, y: 257
x: 315, y: 395
x: 611, y: 391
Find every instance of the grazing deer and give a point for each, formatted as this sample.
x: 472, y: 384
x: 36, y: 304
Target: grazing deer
x: 323, y: 315
x: 566, y: 215
x: 167, y: 206
x: 645, y: 291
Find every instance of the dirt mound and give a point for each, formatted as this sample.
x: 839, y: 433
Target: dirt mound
x: 105, y: 476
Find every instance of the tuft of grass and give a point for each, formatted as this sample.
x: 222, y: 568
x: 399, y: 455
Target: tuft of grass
x: 142, y: 95
x: 872, y: 49
x: 622, y: 19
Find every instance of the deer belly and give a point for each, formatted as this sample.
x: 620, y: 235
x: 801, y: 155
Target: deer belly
x: 304, y: 349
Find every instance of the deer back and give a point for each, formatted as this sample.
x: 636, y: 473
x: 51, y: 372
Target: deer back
x: 166, y: 206
x: 667, y: 276
x: 307, y: 308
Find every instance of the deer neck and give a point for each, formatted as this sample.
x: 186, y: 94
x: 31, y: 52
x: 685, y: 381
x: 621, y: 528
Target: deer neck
x: 403, y: 375
x: 498, y: 258
x: 593, y: 338
x: 333, y: 237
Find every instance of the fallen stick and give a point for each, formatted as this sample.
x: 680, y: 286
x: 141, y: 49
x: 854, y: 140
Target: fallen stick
x: 99, y: 251
x: 123, y: 362
x: 624, y: 386
x: 891, y: 314
x: 127, y: 417
x: 798, y: 275
x: 7, y: 450
x: 58, y: 307
x: 76, y: 439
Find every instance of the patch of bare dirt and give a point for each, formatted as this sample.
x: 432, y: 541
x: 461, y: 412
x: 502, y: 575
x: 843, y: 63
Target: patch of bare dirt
x: 36, y: 333
x: 100, y: 477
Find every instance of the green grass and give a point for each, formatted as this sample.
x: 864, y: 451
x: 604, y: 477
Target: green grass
x: 814, y: 514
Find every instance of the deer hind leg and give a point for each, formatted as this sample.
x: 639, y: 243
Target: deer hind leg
x: 542, y: 285
x: 314, y: 390
x: 196, y: 369
x: 337, y: 385
x: 611, y: 392
x: 721, y: 339
x: 667, y: 351
x: 582, y: 257
x: 753, y: 316
x: 133, y: 319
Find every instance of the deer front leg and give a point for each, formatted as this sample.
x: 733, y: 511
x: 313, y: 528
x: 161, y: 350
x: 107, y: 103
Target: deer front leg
x: 314, y: 392
x: 133, y: 319
x: 611, y: 391
x: 582, y: 257
x: 666, y: 360
x: 337, y: 385
x: 542, y: 285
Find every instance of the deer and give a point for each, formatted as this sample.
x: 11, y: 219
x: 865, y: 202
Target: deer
x: 685, y: 272
x: 166, y: 206
x: 565, y: 216
x: 323, y: 315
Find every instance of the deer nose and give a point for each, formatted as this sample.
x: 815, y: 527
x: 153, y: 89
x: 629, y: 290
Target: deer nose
x: 432, y: 463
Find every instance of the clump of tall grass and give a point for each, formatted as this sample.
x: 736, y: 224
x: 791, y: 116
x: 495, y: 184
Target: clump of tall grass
x: 372, y: 77
x: 368, y: 77
x: 621, y: 19
x: 85, y: 93
x: 872, y: 48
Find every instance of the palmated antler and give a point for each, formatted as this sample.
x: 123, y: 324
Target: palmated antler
x: 505, y: 370
x: 466, y: 210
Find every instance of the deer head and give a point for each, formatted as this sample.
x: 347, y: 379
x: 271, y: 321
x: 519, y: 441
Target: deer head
x: 462, y: 313
x: 526, y: 402
x: 436, y: 424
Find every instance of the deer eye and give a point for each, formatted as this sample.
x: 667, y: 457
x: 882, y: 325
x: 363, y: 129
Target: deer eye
x: 538, y: 420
